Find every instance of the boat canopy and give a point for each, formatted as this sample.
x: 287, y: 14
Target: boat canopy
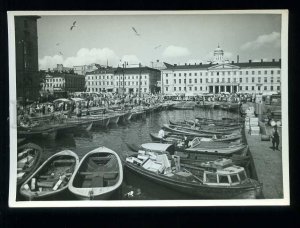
x: 158, y: 147
x: 62, y: 100
x: 77, y: 99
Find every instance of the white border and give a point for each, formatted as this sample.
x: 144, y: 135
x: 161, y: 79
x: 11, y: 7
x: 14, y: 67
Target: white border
x: 147, y: 203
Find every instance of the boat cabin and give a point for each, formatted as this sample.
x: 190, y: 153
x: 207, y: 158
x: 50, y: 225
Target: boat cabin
x: 232, y: 175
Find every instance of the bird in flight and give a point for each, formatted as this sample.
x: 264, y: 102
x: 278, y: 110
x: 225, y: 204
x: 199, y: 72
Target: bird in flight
x: 61, y: 53
x: 157, y: 47
x: 73, y: 25
x: 136, y: 33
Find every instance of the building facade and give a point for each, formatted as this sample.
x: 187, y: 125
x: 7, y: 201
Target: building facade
x: 129, y: 80
x: 83, y: 69
x: 28, y: 77
x: 222, y: 76
x: 63, y: 82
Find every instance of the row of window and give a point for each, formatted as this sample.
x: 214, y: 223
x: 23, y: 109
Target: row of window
x: 212, y: 73
x: 111, y: 77
x: 246, y: 80
x: 117, y: 83
x: 126, y: 90
x: 54, y: 80
x: 247, y: 88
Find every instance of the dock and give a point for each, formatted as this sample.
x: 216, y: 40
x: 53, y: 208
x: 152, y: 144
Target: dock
x: 268, y: 164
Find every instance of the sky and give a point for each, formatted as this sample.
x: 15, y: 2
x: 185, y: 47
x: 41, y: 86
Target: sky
x: 168, y: 38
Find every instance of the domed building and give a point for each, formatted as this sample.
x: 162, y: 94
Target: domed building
x: 219, y: 56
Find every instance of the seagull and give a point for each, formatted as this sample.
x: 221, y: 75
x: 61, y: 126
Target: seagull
x: 61, y: 53
x: 157, y: 47
x: 73, y: 25
x: 136, y: 33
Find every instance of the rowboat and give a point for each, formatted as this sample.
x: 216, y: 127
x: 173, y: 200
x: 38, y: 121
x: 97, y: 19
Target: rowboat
x: 52, y: 177
x: 212, y: 127
x: 214, y: 180
x: 29, y: 157
x: 98, y: 175
x: 173, y: 137
x: 190, y: 131
x: 191, y: 157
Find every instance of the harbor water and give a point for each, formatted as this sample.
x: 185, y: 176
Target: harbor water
x: 115, y: 137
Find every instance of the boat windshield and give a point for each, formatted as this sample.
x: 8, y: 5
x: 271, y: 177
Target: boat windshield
x: 242, y: 175
x: 223, y: 179
x: 211, y: 178
x: 234, y: 178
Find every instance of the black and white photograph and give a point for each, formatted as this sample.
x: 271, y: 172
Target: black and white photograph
x: 148, y: 108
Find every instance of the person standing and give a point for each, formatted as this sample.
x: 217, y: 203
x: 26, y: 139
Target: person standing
x: 275, y: 138
x: 161, y: 134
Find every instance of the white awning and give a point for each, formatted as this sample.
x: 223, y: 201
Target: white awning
x: 77, y: 99
x: 62, y: 100
x: 156, y: 146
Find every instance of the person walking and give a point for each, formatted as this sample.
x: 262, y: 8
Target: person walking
x: 275, y: 138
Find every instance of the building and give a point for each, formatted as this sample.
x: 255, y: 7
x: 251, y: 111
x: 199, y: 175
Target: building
x: 82, y: 70
x: 63, y: 82
x: 129, y: 80
x: 28, y: 77
x: 222, y: 76
x: 100, y: 80
x: 61, y: 69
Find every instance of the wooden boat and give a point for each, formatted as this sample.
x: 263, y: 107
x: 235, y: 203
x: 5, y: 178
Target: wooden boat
x: 191, y: 157
x: 29, y: 157
x: 52, y: 177
x: 225, y: 128
x: 213, y: 180
x: 114, y: 119
x: 191, y: 131
x: 37, y: 131
x: 99, y: 120
x: 98, y: 175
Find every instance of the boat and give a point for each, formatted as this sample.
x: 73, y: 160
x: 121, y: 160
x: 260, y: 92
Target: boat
x: 52, y: 177
x: 28, y: 159
x: 99, y: 120
x: 191, y: 157
x: 114, y: 119
x: 190, y: 131
x: 204, y: 127
x: 46, y: 130
x: 21, y: 141
x: 98, y: 175
x: 218, y: 179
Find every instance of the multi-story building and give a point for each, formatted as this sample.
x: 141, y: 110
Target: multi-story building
x: 62, y: 69
x: 222, y: 76
x: 55, y: 81
x: 129, y: 80
x: 28, y: 77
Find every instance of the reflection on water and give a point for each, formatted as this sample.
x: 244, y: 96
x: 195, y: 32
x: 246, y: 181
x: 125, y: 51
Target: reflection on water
x: 115, y: 137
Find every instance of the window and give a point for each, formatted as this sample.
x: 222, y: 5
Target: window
x: 201, y: 88
x: 272, y: 72
x: 246, y: 87
x: 175, y: 81
x: 184, y: 74
x: 211, y: 73
x: 167, y: 88
x: 201, y: 80
x: 184, y: 88
x: 272, y: 79
x: 241, y: 88
x: 266, y: 72
x: 195, y: 74
x: 211, y: 80
x: 234, y: 73
x: 246, y: 72
x: 166, y: 75
x: 200, y: 73
x: 259, y: 80
x: 246, y: 80
x: 223, y: 73
x: 190, y: 80
x: 174, y: 75
x: 190, y: 88
x: 179, y: 81
x: 174, y: 88
x: 145, y: 90
x: 190, y: 74
x: 228, y: 72
x: 218, y: 73
x: 278, y: 88
x: 242, y: 176
x: 253, y: 79
x: 223, y: 179
x: 241, y: 72
x: 253, y: 72
x: 111, y: 83
x: 218, y: 79
x: 196, y: 80
x: 179, y: 88
x: 272, y: 88
x: 184, y: 81
x: 167, y: 82
x: 258, y: 87
x: 211, y: 178
x: 145, y: 76
x: 278, y: 71
x: 223, y: 80
x: 179, y: 74
x: 195, y: 88
x: 265, y: 79
x: 206, y: 80
x: 265, y: 88
x: 278, y: 79
x: 241, y: 80
x: 228, y: 80
x: 253, y: 88
x: 234, y: 178
x: 206, y: 73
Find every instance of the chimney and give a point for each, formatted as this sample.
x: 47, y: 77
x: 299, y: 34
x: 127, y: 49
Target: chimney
x: 232, y: 62
x: 185, y: 64
x: 273, y: 60
x: 175, y: 64
x: 201, y: 64
x: 261, y: 60
x: 250, y: 61
x: 279, y: 60
x: 238, y: 59
x: 157, y: 60
x: 195, y: 64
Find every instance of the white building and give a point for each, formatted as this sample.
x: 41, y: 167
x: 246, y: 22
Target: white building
x: 221, y: 76
x: 129, y: 80
x: 83, y: 69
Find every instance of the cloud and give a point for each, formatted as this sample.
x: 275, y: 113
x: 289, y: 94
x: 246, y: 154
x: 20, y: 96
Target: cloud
x: 273, y: 39
x: 175, y: 51
x: 86, y: 56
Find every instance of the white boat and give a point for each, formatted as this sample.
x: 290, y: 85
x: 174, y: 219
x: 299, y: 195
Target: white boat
x: 98, y: 176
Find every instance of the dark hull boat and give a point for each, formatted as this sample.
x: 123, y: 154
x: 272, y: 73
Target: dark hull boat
x: 229, y: 183
x: 189, y: 131
x: 52, y: 177
x: 29, y: 157
x: 98, y: 176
